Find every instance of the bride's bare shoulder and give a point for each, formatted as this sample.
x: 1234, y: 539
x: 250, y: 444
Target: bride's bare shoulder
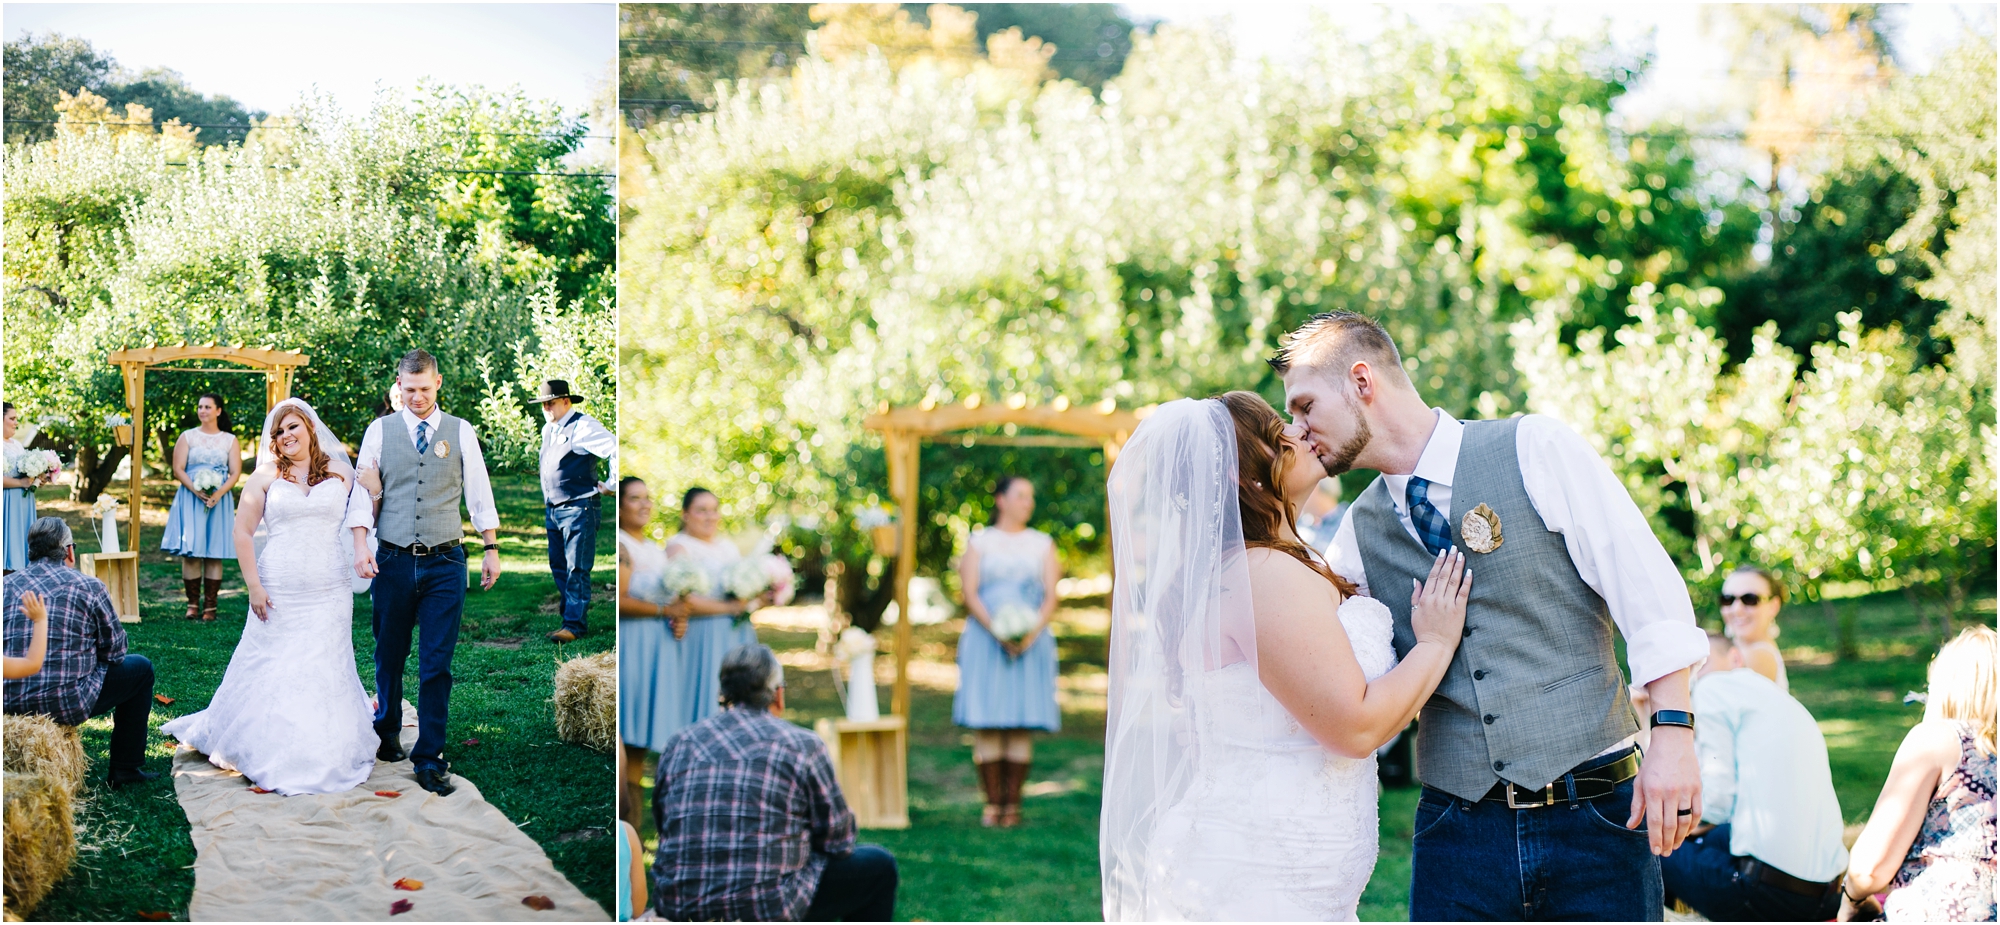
x: 1277, y: 570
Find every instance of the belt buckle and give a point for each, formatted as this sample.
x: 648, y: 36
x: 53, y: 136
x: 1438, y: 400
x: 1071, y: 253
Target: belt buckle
x: 419, y: 549
x: 1548, y: 795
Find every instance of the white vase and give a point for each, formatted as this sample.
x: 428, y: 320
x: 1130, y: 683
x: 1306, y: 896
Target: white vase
x: 108, y: 534
x: 861, y: 705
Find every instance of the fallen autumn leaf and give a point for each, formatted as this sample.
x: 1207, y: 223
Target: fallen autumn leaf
x: 388, y: 793
x: 539, y: 903
x: 401, y: 906
x: 409, y: 884
x: 163, y: 699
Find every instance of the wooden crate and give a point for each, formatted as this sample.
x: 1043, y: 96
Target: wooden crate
x: 872, y: 761
x: 120, y: 573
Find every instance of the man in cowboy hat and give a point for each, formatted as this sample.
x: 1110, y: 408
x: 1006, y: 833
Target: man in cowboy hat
x: 572, y: 442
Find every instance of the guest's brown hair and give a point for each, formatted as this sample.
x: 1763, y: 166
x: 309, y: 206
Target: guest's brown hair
x: 317, y: 460
x: 1262, y: 457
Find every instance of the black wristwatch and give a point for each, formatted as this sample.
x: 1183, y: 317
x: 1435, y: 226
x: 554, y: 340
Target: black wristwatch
x: 492, y: 547
x: 1673, y: 718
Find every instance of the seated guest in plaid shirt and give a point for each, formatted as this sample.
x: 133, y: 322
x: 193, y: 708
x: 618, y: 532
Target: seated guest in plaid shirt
x: 752, y: 825
x: 86, y: 671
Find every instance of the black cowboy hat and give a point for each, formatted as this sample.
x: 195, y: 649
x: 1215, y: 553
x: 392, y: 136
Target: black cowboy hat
x: 554, y: 389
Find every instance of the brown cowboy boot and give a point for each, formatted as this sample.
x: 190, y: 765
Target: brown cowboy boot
x: 1016, y: 780
x: 193, y: 586
x: 991, y: 775
x: 210, y: 587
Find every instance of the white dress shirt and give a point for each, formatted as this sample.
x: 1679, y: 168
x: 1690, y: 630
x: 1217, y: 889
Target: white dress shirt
x: 477, y: 490
x: 588, y: 435
x: 1609, y: 541
x: 1764, y: 772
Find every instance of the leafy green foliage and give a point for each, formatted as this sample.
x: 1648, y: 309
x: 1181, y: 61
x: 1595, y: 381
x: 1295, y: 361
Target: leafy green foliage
x: 351, y: 240
x: 894, y: 231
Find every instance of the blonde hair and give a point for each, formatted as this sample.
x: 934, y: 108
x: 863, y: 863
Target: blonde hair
x: 1962, y: 683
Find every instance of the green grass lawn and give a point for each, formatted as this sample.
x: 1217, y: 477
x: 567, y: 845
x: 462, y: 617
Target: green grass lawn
x: 952, y: 869
x: 134, y: 850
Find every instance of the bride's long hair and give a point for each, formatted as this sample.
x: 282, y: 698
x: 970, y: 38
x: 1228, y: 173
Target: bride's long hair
x: 317, y: 461
x: 1262, y: 459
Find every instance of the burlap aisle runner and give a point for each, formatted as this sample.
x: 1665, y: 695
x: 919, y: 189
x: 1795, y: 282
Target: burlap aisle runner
x: 335, y: 857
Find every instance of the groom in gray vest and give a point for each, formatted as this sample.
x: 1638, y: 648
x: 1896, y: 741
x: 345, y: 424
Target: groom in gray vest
x: 1536, y: 803
x: 427, y: 462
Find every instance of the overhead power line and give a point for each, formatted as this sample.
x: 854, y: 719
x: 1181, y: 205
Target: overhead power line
x: 288, y: 127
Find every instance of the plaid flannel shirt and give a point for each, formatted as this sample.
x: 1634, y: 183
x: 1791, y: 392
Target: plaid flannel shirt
x: 748, y: 812
x: 85, y: 638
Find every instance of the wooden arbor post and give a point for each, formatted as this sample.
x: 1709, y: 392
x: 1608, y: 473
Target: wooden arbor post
x: 276, y: 366
x: 904, y: 431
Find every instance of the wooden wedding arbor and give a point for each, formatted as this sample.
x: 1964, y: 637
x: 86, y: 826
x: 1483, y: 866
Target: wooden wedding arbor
x: 904, y: 431
x: 276, y: 366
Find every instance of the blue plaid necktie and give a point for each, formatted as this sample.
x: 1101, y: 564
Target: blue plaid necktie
x: 1431, y: 525
x: 424, y: 438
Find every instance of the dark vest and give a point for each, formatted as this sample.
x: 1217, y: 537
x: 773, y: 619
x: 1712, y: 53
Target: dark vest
x: 575, y: 473
x: 1534, y: 688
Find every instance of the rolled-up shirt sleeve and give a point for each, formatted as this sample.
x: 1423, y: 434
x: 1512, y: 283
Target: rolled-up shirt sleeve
x: 1612, y: 546
x: 478, y: 486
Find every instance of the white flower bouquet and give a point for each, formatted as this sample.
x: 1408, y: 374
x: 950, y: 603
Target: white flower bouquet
x: 1014, y: 622
x: 207, y: 480
x: 105, y: 504
x: 746, y: 578
x: 37, y: 463
x: 854, y: 642
x: 784, y: 584
x: 682, y: 576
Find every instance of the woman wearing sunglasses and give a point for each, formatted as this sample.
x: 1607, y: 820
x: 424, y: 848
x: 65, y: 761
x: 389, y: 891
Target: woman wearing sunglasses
x: 1751, y: 597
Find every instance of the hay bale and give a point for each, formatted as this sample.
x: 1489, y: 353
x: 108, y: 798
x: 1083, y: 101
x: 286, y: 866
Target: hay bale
x: 40, y: 828
x: 38, y: 745
x: 587, y: 701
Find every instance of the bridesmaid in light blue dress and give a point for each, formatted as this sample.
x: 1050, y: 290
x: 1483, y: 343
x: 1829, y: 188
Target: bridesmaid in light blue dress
x: 649, y: 648
x: 716, y: 622
x: 201, y: 524
x: 20, y: 495
x: 1007, y: 688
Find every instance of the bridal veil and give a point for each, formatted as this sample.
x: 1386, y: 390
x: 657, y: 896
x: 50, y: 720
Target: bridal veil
x: 1180, y: 610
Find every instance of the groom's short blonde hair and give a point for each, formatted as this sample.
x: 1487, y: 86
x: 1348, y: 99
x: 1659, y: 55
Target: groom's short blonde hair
x: 1333, y: 342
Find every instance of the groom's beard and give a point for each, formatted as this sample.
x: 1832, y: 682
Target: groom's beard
x: 1343, y: 458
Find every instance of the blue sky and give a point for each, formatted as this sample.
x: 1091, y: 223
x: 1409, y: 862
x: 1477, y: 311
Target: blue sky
x: 266, y: 55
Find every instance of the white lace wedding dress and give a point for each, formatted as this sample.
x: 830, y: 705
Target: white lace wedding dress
x: 1273, y: 827
x: 291, y: 714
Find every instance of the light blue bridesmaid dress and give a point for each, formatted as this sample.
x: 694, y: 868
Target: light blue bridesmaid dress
x: 996, y: 691
x: 194, y: 529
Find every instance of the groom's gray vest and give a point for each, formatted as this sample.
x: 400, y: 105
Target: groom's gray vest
x: 1534, y: 689
x: 420, y: 492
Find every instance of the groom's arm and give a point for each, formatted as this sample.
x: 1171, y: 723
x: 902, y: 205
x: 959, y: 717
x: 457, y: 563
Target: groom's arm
x: 479, y: 501
x: 1616, y: 554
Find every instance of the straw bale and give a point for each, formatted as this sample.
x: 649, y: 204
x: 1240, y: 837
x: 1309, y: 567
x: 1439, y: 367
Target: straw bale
x: 40, y: 828
x: 36, y: 744
x: 586, y: 701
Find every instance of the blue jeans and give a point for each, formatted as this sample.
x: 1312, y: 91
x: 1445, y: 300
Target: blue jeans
x: 127, y: 695
x: 572, y: 550
x: 859, y: 886
x: 425, y: 594
x: 1703, y: 874
x: 1572, y: 861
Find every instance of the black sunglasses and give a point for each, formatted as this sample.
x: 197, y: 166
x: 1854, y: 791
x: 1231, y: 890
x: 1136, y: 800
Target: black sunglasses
x: 1749, y: 600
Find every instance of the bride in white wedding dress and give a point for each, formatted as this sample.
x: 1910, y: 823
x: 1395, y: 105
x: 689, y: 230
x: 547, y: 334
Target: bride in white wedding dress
x: 291, y: 714
x: 1250, y: 688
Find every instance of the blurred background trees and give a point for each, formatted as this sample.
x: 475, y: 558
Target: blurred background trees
x: 1761, y: 358
x: 451, y: 219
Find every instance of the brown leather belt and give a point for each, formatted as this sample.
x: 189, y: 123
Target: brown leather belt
x: 1771, y: 876
x: 419, y: 549
x: 1591, y: 784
